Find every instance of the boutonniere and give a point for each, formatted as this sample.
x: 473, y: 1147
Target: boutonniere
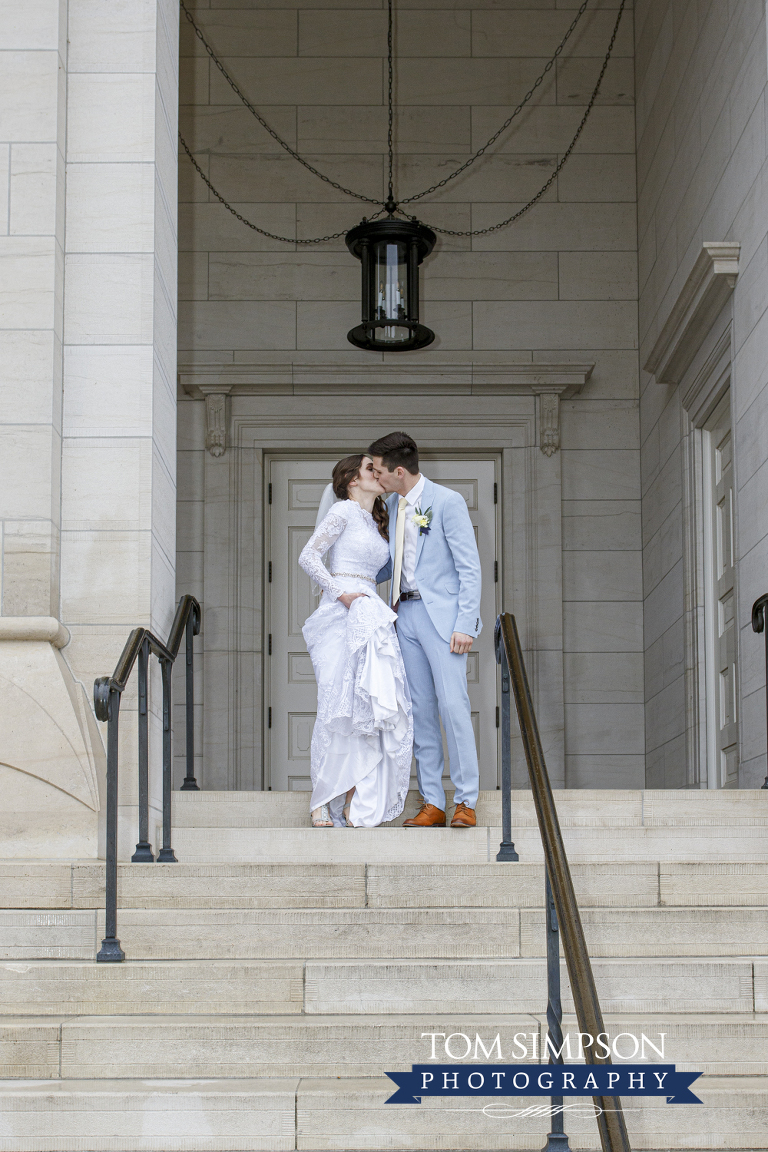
x: 422, y: 520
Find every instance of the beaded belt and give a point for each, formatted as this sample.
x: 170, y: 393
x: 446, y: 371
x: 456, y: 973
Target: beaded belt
x: 355, y: 576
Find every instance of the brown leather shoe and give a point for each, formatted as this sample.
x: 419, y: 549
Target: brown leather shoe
x: 428, y: 816
x: 463, y: 817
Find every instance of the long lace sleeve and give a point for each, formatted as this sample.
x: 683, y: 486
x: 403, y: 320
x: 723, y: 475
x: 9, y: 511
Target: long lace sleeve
x: 311, y: 558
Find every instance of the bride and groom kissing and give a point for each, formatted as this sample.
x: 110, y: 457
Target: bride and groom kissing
x: 388, y: 674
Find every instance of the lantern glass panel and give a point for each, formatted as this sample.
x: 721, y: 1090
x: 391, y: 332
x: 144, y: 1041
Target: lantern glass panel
x: 391, y: 287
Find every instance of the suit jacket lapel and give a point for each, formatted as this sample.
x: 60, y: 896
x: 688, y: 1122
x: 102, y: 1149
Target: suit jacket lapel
x: 427, y: 496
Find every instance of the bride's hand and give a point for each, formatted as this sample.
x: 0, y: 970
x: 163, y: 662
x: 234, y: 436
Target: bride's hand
x: 347, y: 597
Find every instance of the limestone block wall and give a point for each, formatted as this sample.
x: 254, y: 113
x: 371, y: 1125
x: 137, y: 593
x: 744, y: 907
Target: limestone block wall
x: 701, y: 153
x: 558, y: 286
x: 88, y: 99
x: 32, y: 128
x: 119, y: 457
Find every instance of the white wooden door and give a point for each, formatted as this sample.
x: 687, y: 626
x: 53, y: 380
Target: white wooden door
x: 296, y: 488
x: 723, y: 704
x: 290, y: 690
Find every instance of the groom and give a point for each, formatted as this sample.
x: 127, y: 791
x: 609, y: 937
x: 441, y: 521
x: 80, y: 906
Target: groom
x: 435, y: 573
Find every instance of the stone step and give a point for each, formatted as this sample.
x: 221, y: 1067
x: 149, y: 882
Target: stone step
x: 323, y: 1114
x: 621, y: 883
x: 576, y: 808
x: 376, y: 933
x: 148, y: 1115
x: 334, y: 932
x: 673, y: 932
x: 352, y: 1115
x: 438, y: 933
x: 83, y: 987
x: 681, y: 843
x: 366, y: 987
x: 519, y: 985
x: 225, y: 1046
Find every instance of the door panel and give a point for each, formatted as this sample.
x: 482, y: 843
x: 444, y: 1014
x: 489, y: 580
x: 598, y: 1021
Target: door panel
x: 290, y: 691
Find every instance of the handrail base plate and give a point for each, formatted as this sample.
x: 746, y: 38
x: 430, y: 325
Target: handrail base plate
x: 507, y: 852
x: 110, y: 951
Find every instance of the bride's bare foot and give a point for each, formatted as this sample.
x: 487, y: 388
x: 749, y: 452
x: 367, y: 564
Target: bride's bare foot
x: 321, y: 817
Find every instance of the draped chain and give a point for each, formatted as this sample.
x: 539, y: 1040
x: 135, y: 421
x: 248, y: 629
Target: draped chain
x: 391, y: 205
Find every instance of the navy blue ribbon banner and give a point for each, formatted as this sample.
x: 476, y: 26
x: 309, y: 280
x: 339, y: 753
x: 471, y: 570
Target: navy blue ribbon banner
x: 450, y: 1080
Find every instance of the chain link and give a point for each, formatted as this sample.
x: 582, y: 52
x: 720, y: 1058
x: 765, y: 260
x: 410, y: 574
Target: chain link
x: 435, y: 187
x: 283, y: 143
x: 390, y: 70
x: 243, y: 220
x: 563, y: 159
x: 537, y: 83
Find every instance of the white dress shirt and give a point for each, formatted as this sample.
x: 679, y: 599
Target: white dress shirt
x: 408, y: 574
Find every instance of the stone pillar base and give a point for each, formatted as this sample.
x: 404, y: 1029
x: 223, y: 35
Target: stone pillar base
x: 52, y: 762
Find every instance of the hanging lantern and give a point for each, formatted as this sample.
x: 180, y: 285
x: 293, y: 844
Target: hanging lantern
x: 390, y: 252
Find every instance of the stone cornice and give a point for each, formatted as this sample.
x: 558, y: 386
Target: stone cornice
x: 565, y: 380
x: 41, y: 628
x: 710, y: 283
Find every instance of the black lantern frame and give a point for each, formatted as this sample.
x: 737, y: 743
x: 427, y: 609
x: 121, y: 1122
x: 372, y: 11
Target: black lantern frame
x: 390, y: 252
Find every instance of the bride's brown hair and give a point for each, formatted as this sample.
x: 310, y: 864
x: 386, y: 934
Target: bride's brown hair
x: 347, y: 470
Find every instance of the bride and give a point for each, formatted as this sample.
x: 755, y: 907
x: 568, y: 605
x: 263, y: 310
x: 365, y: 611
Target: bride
x: 361, y: 744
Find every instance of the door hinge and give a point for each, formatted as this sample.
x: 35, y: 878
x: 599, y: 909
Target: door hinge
x: 495, y: 493
x: 269, y: 717
x: 269, y: 645
x: 269, y: 496
x: 495, y: 571
x: 269, y: 572
x: 497, y: 715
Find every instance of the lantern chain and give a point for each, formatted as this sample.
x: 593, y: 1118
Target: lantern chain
x: 556, y: 171
x: 283, y: 143
x: 390, y: 114
x: 391, y: 206
x: 537, y: 83
x: 247, y: 222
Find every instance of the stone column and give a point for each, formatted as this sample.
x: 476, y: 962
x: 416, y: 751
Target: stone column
x: 88, y: 362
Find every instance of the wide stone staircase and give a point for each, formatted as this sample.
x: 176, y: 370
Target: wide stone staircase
x: 277, y: 971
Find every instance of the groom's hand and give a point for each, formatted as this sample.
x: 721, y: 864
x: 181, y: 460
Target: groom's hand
x: 461, y: 643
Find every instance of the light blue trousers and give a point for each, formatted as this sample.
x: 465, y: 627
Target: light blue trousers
x: 437, y: 679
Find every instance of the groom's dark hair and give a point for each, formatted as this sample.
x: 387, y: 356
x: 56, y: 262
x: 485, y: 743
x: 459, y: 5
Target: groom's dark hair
x: 397, y: 450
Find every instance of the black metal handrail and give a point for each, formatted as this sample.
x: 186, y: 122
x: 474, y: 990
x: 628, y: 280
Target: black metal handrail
x: 759, y: 610
x: 610, y: 1117
x: 107, y: 691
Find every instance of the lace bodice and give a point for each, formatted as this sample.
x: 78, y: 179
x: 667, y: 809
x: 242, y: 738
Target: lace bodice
x: 356, y: 548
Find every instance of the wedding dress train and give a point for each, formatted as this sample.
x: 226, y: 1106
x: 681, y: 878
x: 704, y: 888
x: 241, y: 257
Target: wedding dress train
x: 363, y: 734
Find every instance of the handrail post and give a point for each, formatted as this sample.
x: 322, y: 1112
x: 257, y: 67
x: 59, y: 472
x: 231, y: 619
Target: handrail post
x: 166, y: 854
x: 610, y: 1117
x: 506, y: 850
x: 759, y: 609
x: 143, y: 853
x: 557, y: 1141
x: 110, y: 951
x: 190, y: 783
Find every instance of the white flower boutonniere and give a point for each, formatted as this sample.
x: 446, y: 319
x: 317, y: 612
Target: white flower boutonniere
x: 422, y: 520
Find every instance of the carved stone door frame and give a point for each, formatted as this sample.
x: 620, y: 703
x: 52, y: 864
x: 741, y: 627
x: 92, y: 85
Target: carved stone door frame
x: 511, y: 410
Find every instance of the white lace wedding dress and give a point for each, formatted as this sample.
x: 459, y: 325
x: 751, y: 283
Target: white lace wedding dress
x: 364, y: 728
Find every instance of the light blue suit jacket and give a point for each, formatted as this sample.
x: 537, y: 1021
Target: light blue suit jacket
x: 447, y: 562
